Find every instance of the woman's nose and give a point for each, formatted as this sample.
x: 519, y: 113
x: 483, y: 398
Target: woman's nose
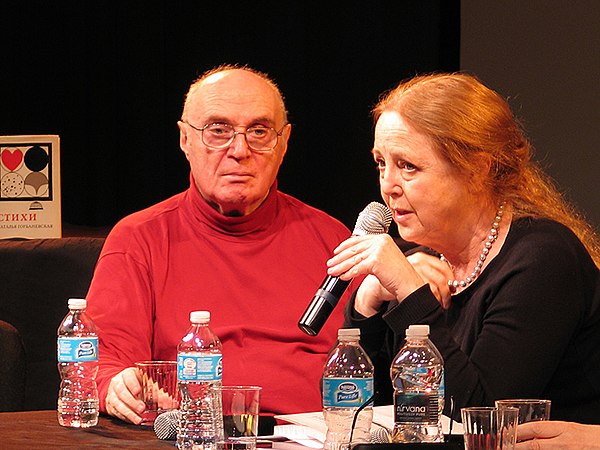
x: 389, y: 184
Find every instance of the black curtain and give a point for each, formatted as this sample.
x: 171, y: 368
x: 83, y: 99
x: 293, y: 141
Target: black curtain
x: 109, y: 77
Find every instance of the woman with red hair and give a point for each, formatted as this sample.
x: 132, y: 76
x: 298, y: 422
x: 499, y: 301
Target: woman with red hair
x: 507, y: 273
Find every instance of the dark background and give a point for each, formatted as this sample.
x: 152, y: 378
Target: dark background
x: 109, y: 77
x: 544, y: 56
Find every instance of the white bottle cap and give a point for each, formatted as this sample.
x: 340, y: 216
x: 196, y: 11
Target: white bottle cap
x: 349, y: 332
x: 77, y: 303
x: 200, y: 316
x: 417, y: 330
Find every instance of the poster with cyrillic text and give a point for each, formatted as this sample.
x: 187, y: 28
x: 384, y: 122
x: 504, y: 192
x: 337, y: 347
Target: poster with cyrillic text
x: 30, y: 187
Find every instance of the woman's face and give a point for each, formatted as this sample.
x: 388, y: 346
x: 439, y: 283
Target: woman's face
x: 426, y: 194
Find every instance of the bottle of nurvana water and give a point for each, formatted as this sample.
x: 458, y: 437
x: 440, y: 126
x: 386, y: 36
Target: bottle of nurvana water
x: 418, y: 379
x: 199, y: 372
x: 77, y: 348
x: 347, y: 385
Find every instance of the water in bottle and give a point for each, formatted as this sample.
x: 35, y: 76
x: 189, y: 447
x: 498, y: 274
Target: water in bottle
x: 199, y: 372
x: 77, y: 347
x: 347, y: 385
x: 417, y: 378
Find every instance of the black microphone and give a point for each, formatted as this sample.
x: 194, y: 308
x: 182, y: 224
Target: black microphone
x: 374, y: 219
x: 165, y: 425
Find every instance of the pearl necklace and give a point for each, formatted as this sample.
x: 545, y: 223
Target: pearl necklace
x: 454, y: 284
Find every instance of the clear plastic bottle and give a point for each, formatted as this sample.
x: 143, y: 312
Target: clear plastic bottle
x: 77, y: 354
x: 417, y: 377
x: 199, y: 370
x: 347, y: 384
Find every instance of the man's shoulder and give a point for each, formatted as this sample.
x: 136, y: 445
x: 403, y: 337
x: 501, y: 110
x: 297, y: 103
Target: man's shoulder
x: 150, y: 218
x: 312, y: 215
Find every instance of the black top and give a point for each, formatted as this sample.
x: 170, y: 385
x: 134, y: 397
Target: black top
x: 527, y: 327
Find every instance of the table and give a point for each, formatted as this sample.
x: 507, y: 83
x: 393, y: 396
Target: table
x: 40, y: 429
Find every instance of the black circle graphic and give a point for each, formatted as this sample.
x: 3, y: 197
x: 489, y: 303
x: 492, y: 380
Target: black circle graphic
x: 36, y: 158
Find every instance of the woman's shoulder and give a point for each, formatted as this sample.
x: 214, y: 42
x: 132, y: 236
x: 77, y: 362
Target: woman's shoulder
x: 546, y: 240
x: 543, y: 259
x: 540, y: 230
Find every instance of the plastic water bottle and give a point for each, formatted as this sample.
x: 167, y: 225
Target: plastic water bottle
x: 199, y: 371
x: 77, y: 349
x: 347, y: 385
x: 417, y: 378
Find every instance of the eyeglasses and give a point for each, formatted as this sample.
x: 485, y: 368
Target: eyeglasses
x: 219, y: 136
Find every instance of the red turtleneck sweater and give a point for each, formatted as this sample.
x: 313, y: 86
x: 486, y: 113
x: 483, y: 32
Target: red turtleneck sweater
x: 256, y: 275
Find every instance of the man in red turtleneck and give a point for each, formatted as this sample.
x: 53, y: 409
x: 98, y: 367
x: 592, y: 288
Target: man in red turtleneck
x: 231, y: 244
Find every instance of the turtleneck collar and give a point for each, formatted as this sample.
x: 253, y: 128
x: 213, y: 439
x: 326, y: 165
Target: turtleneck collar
x: 258, y: 224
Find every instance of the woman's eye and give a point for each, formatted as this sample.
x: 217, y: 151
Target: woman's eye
x: 380, y: 164
x: 407, y: 166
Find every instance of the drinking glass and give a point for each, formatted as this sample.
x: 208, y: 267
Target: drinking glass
x: 241, y: 405
x: 159, y: 388
x: 529, y: 409
x: 488, y: 428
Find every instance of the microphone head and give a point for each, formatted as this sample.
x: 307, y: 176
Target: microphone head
x: 380, y: 435
x: 374, y: 219
x: 165, y: 425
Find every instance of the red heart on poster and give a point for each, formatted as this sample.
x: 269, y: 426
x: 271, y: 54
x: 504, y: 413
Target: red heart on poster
x: 12, y: 158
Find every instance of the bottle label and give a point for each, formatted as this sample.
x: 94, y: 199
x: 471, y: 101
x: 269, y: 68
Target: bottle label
x: 416, y: 407
x: 77, y: 349
x: 199, y: 367
x: 346, y: 392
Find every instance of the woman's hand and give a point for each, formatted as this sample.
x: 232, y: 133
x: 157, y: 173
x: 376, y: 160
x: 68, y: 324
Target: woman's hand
x: 370, y: 296
x: 557, y: 435
x: 379, y: 256
x: 436, y: 273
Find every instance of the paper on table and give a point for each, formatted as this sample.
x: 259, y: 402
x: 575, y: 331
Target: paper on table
x: 309, y: 437
x: 383, y: 416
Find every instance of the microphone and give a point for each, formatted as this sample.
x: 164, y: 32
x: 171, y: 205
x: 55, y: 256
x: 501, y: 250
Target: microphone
x: 165, y: 425
x: 380, y: 435
x: 374, y: 219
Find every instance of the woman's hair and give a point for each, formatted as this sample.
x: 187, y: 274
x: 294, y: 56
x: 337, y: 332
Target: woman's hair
x: 470, y: 123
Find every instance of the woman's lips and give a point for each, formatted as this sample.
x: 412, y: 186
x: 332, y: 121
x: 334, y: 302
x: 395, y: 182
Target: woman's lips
x: 401, y: 214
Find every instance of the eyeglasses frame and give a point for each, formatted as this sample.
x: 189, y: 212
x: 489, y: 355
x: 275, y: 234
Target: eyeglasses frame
x: 235, y: 133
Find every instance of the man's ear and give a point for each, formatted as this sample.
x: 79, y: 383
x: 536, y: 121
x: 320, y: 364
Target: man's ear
x: 285, y: 136
x: 184, y: 143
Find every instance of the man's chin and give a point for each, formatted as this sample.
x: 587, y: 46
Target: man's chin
x: 236, y: 199
x: 235, y: 206
x: 233, y: 213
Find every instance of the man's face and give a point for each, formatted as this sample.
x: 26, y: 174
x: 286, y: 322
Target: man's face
x: 234, y: 180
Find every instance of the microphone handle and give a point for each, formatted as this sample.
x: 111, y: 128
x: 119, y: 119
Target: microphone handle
x: 322, y: 304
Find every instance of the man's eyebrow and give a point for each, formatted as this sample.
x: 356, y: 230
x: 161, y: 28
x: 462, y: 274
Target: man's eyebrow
x: 215, y: 119
x: 257, y: 120
x: 262, y: 120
